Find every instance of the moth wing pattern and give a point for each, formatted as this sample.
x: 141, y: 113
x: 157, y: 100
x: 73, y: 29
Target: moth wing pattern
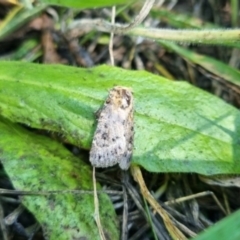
x: 113, y: 138
x: 107, y: 148
x: 129, y: 134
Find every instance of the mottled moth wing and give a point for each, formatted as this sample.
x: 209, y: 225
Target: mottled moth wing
x: 129, y: 134
x: 113, y: 139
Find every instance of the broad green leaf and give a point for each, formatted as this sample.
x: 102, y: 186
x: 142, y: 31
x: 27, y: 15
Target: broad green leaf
x: 84, y: 4
x: 227, y: 228
x: 178, y: 128
x: 37, y: 163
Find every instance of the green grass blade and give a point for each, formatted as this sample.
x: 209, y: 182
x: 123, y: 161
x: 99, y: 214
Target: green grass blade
x: 84, y: 4
x: 19, y: 19
x: 210, y: 64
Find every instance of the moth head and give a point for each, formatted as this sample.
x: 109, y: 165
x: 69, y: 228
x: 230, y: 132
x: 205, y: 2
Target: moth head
x: 121, y: 97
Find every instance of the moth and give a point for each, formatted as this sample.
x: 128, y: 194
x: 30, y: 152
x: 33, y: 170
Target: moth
x: 113, y: 139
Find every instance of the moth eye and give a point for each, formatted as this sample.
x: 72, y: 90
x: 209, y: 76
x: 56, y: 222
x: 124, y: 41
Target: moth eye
x: 108, y: 101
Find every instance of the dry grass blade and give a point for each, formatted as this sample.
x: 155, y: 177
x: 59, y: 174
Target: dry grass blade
x: 96, y: 206
x: 172, y: 229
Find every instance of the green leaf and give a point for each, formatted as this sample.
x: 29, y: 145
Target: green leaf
x: 27, y: 51
x: 227, y: 228
x: 37, y: 163
x: 18, y: 19
x: 178, y: 128
x: 84, y: 4
x: 212, y: 65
